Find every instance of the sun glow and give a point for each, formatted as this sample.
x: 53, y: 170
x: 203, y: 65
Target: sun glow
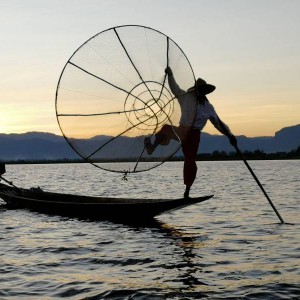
x: 255, y: 72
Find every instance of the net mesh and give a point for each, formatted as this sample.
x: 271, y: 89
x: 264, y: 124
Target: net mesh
x: 113, y: 93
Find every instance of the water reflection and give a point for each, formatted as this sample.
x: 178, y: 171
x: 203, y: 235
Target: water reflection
x: 228, y: 248
x: 181, y: 271
x: 188, y: 267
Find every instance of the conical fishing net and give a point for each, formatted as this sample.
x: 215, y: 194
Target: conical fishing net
x: 113, y: 93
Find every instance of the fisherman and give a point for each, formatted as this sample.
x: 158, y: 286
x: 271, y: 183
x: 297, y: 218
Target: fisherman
x: 195, y: 111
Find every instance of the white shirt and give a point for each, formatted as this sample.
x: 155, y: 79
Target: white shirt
x: 193, y: 113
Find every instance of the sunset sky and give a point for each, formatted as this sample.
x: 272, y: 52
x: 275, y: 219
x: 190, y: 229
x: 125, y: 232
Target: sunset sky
x: 250, y: 50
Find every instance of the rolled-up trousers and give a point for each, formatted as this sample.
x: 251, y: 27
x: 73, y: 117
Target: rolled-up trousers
x: 190, y: 147
x: 190, y: 139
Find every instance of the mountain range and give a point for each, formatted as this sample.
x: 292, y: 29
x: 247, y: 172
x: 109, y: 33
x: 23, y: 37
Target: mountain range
x: 47, y: 146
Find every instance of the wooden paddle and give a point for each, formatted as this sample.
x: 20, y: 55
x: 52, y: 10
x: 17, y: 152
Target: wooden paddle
x: 259, y: 184
x: 2, y: 171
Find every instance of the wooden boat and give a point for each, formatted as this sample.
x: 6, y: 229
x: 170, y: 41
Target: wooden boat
x: 102, y: 207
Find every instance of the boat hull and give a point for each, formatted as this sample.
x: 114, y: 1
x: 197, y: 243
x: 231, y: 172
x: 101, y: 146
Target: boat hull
x: 102, y: 207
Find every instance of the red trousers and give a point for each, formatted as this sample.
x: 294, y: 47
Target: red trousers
x: 190, y: 139
x: 190, y: 148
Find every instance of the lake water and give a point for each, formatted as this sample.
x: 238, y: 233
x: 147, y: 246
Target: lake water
x: 230, y: 247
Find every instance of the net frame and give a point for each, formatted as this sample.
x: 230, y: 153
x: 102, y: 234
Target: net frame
x: 144, y: 82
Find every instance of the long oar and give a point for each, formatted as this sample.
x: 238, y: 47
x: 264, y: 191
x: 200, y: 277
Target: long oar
x: 259, y: 184
x: 9, y: 182
x: 3, y: 171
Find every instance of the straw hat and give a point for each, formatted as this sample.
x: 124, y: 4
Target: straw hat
x: 202, y: 87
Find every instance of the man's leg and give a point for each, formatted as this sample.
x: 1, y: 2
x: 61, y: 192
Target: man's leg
x: 190, y: 149
x: 163, y: 137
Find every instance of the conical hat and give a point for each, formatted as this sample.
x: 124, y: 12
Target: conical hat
x: 202, y: 86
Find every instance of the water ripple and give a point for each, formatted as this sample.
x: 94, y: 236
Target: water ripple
x: 231, y: 247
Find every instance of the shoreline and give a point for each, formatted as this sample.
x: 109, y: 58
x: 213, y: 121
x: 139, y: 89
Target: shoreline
x: 215, y: 156
x: 37, y: 162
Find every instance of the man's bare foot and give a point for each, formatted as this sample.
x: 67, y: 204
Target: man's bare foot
x: 149, y: 147
x: 186, y: 194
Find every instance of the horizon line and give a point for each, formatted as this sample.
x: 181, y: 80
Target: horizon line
x: 61, y: 135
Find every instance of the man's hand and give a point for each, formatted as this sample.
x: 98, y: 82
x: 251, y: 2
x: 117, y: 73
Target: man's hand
x: 168, y: 71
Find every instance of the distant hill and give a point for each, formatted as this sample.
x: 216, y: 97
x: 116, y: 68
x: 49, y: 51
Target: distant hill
x: 48, y: 146
x: 285, y: 140
x: 34, y: 146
